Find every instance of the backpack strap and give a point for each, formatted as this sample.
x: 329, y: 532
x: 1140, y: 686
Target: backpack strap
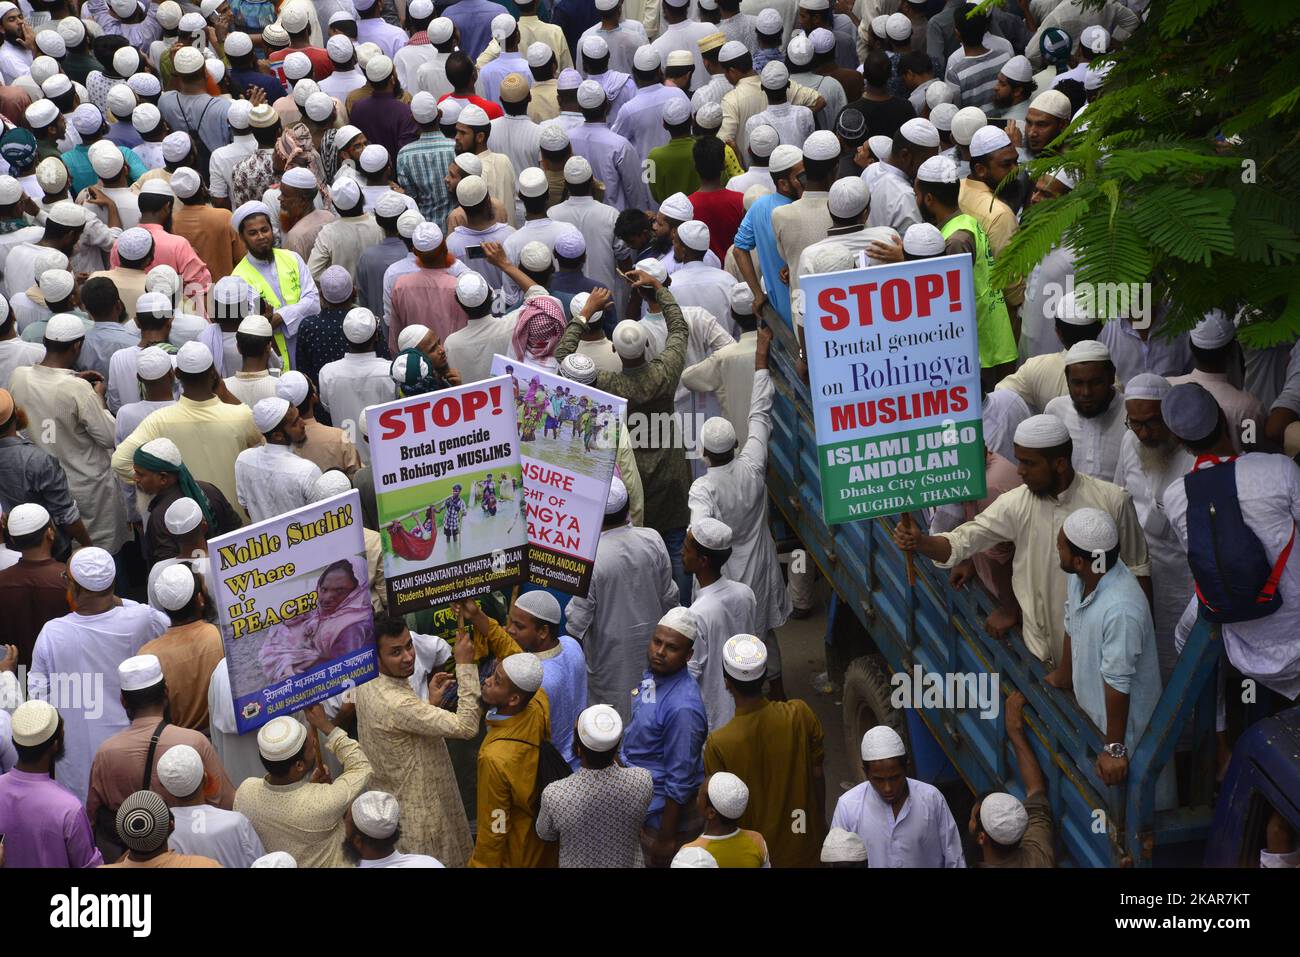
x: 153, y: 749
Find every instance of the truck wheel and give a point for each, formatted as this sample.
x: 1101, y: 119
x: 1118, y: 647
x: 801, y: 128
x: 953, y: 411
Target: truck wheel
x: 866, y: 704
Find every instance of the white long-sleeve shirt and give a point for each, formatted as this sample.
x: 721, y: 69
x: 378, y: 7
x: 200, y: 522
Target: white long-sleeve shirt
x: 270, y: 480
x: 923, y: 834
x: 225, y: 836
x: 1096, y: 439
x: 350, y: 384
x: 722, y: 610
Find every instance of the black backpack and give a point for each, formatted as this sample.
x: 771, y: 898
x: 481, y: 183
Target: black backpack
x: 551, y: 767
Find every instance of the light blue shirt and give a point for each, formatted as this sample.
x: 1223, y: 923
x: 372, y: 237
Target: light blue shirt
x: 923, y: 834
x: 756, y: 233
x: 666, y: 737
x: 564, y: 676
x: 474, y: 20
x: 619, y: 89
x: 491, y: 74
x: 614, y: 162
x: 641, y: 120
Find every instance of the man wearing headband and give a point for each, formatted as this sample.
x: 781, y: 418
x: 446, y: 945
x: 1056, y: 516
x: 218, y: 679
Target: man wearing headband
x: 160, y: 475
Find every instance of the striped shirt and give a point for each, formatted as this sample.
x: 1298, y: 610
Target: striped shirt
x: 422, y: 171
x: 976, y: 76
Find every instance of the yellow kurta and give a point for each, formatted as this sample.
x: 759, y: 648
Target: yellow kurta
x: 999, y: 222
x: 404, y: 738
x: 1040, y: 380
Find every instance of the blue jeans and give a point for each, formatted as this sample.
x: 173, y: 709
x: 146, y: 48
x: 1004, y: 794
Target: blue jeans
x: 674, y: 539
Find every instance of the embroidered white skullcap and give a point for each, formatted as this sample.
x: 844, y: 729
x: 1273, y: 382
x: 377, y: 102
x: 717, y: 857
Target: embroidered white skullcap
x: 216, y: 69
x: 1018, y: 69
x: 374, y: 158
x: 154, y: 303
x: 1091, y: 529
x: 718, y: 435
x: 763, y: 139
x: 937, y: 169
x: 938, y: 93
x: 33, y: 723
x: 192, y: 23
x: 183, y: 516
x: 449, y: 113
x: 920, y: 132
x: 941, y: 116
x: 331, y: 483
x: 474, y: 115
x: 469, y: 163
x: 256, y: 326
x: 694, y: 856
x: 988, y: 139
x: 653, y: 267
x: 742, y: 300
x: 186, y: 61
x: 440, y: 29
x: 1041, y: 432
x: 677, y: 207
x: 299, y: 177
x: 1004, y: 818
x: 134, y: 243
x: 570, y: 244
x: 339, y: 48
x: 848, y: 197
x: 833, y: 257
x: 532, y: 182
x: 590, y: 94
x: 64, y: 327
x: 711, y: 533
x: 126, y: 60
x: 800, y: 50
x: 1213, y: 332
x: 408, y: 223
x: 359, y: 325
x: 318, y: 106
x: 775, y: 77
x: 767, y: 22
x: 146, y: 84
x: 616, y: 500
x: 302, y: 92
x: 471, y: 190
x: 427, y: 237
x: 346, y: 194
x: 180, y: 768
x: 238, y: 44
x: 143, y: 671
x: 821, y: 145
x: 411, y: 337
x: 968, y: 120
x: 923, y: 239
x: 51, y: 44
x: 376, y: 814
x: 73, y: 30
x: 176, y: 146
x: 152, y: 363
x: 185, y: 182
x: 367, y: 52
x: 541, y: 605
x: 424, y: 107
x: 535, y: 257
x: 727, y: 793
x: 553, y: 138
x: 503, y: 25
x: 1054, y: 103
x: 145, y: 117
x: 843, y: 847
x: 881, y: 743
x: 281, y: 738
x: 56, y: 285
x: 163, y: 448
x: 629, y: 339
x: 1147, y: 385
x: 193, y: 357
x: 524, y: 671
x: 52, y: 176
x: 174, y: 587
x: 784, y: 157
x: 390, y: 205
x: 646, y: 59
x: 1089, y: 350
x: 880, y: 26
x: 275, y: 859
x: 677, y: 110
x: 898, y: 26
x: 472, y: 289
x: 270, y: 412
x: 577, y: 170
x: 379, y: 68
x: 681, y: 620
x: 41, y: 114
x: 105, y: 158
x: 600, y: 728
x: 744, y: 657
x: 694, y: 235
x: 576, y: 366
x: 538, y: 55
x: 569, y: 79
x: 27, y: 518
x: 58, y: 83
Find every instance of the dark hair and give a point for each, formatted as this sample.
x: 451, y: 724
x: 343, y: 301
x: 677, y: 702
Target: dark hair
x: 970, y: 26
x: 630, y: 222
x: 389, y: 626
x: 281, y: 768
x: 153, y: 202
x: 747, y: 689
x: 266, y: 136
x: 1063, y: 451
x: 342, y: 565
x: 31, y: 753
x: 537, y: 204
x: 1213, y: 357
x: 55, y: 230
x: 820, y: 170
x: 1070, y: 334
x: 251, y: 346
x: 133, y: 701
x: 1111, y: 556
x: 915, y: 61
x: 459, y: 69
x: 31, y: 539
x: 99, y: 295
x: 151, y: 321
x: 619, y: 517
x: 104, y: 47
x: 387, y: 223
x: 710, y: 157
x: 203, y: 377
x: 596, y: 760
x: 593, y: 64
x: 716, y: 557
x: 876, y: 68
x: 1077, y: 94
x: 743, y: 63
x: 945, y: 193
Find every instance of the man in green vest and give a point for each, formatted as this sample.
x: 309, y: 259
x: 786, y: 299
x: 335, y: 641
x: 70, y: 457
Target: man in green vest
x: 279, y: 276
x: 937, y: 189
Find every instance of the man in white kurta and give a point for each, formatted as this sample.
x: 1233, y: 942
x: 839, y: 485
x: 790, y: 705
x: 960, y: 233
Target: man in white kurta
x: 1093, y: 411
x: 722, y: 608
x: 270, y: 479
x: 729, y: 373
x: 695, y: 283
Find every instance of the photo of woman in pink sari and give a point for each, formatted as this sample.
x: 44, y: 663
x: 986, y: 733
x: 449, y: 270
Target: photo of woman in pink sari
x: 341, y: 622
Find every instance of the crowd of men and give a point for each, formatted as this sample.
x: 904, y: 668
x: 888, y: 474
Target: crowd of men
x: 227, y: 229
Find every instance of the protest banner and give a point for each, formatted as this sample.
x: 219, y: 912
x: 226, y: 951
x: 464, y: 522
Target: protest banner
x: 452, y: 457
x: 893, y: 364
x: 293, y: 606
x: 566, y: 477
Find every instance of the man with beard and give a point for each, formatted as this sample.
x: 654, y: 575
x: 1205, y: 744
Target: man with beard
x: 1091, y: 412
x: 1048, y: 114
x: 1150, y: 459
x: 16, y: 44
x: 279, y: 276
x: 1014, y: 87
x: 43, y: 822
x: 373, y: 824
x: 269, y: 479
x: 1029, y: 517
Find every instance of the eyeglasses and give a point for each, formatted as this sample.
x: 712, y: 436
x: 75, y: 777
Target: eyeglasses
x: 1142, y: 425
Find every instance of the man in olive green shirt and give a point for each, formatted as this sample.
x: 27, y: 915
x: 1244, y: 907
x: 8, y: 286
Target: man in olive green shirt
x: 672, y: 166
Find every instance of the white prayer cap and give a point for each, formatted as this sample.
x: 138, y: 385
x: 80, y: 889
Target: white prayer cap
x: 412, y: 336
x: 156, y: 187
x: 27, y: 518
x: 449, y: 112
x: 821, y: 145
x: 180, y: 768
x: 677, y: 207
x: 318, y: 106
x: 270, y: 412
x: 742, y: 300
x: 216, y: 69
x: 535, y: 257
x: 176, y: 146
x: 52, y: 176
x: 126, y: 60
x: 833, y: 257
x: 34, y: 723
x: 56, y: 84
x: 1095, y: 39
x: 345, y: 136
x: 694, y: 235
x: 898, y: 26
x: 799, y: 51
x: 1018, y: 69
x: 376, y: 814
x: 763, y: 139
x: 744, y: 657
x: 718, y: 435
x: 767, y: 22
x: 56, y: 285
x: 141, y: 671
x: 407, y: 224
x: 379, y: 68
x: 553, y: 138
x: 473, y: 115
x: 728, y: 794
x: 64, y: 327
x: 775, y: 76
x: 784, y: 157
x: 607, y: 4
x: 183, y: 516
x: 503, y: 25
x: 73, y: 30
x: 193, y: 357
x: 469, y: 163
x: 471, y: 191
x: 390, y: 205
x: 238, y: 115
x: 1070, y: 310
x: 275, y: 35
x: 600, y: 728
x: 41, y: 114
x: 256, y: 326
x: 163, y: 448
x: 163, y: 278
x: 374, y: 158
x: 590, y: 94
x: 427, y: 236
x: 848, y: 197
x: 174, y: 587
x: 154, y: 303
x: 923, y: 239
x: 694, y: 856
x: 471, y: 289
x: 10, y: 190
x: 192, y: 22
x: 105, y: 158
x: 880, y: 26
x: 1054, y: 103
x: 1003, y: 817
x: 920, y: 132
x: 330, y: 483
x: 275, y: 859
x: 51, y: 44
x: 524, y: 671
x: 346, y: 194
x: 937, y: 169
x: 1088, y: 350
x: 646, y: 59
x: 570, y: 244
x: 1147, y: 385
x: 569, y: 79
x: 940, y: 92
x: 1213, y: 332
x: 677, y: 110
x: 440, y: 30
x: 299, y: 177
x: 843, y: 847
x: 681, y: 620
x: 302, y: 91
x: 185, y: 181
x: 339, y: 48
x: 576, y: 366
x: 988, y: 139
x: 881, y: 743
x: 711, y: 533
x: 537, y: 55
x: 966, y: 122
x: 238, y: 44
x: 367, y: 52
x: 941, y: 116
x: 653, y: 267
x: 532, y: 182
x: 629, y: 339
x: 733, y: 50
x: 359, y: 325
x: 1091, y: 529
x: 152, y: 363
x: 1041, y: 432
x: 541, y: 605
x: 186, y: 61
x: 146, y: 84
x: 281, y: 738
x: 424, y: 107
x: 616, y: 500
x: 823, y: 40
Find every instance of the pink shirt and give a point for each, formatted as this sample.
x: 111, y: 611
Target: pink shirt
x: 175, y: 251
x: 426, y: 297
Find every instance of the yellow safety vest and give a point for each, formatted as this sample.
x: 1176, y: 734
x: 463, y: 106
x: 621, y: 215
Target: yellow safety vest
x: 286, y: 271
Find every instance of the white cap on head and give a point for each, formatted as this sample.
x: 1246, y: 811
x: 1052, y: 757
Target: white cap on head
x: 940, y: 92
x: 732, y: 50
x: 33, y: 723
x: 339, y: 48
x: 269, y: 413
x: 152, y: 363
x: 1041, y: 432
x: 408, y: 223
x: 653, y: 267
x: 694, y: 856
x: 538, y: 55
x: 942, y: 116
x: 1091, y: 529
x: 87, y: 120
x: 727, y: 793
x: 1088, y: 350
x: 590, y: 94
x: 412, y: 336
x: 898, y: 26
x: 126, y: 60
x: 848, y: 197
x: 718, y: 435
x: 1018, y: 69
x: 472, y: 289
x: 73, y: 30
x: 41, y: 114
x: 533, y: 183
x: 359, y: 325
x: 294, y: 18
x: 51, y: 44
x: 1003, y: 818
x: 134, y: 243
x: 256, y: 326
x: 193, y: 357
x: 541, y: 605
x: 646, y: 59
x: 881, y: 743
x: 238, y: 44
x: 105, y: 158
x: 187, y: 61
x: 157, y: 304
x: 923, y: 239
x: 376, y: 814
x: 616, y: 499
x: 1095, y: 39
x: 424, y: 107
x: 767, y: 22
x: 64, y: 327
x: 821, y: 145
x: 440, y: 29
x: 677, y: 111
x: 176, y: 146
x: 843, y: 847
x: 469, y: 163
x: 937, y: 169
x: 157, y: 187
x: 27, y: 518
x: 593, y: 45
x: 56, y: 285
x: 1054, y: 103
x: 1069, y: 310
x: 180, y: 769
x: 694, y: 235
x: 390, y: 205
x: 681, y: 620
x: 318, y: 107
x: 346, y: 194
x: 524, y: 671
x: 966, y: 122
x: 237, y: 117
x: 427, y: 237
x: 775, y: 76
x: 988, y: 139
x: 185, y: 182
x: 1213, y: 332
x: 174, y: 587
x: 1147, y: 385
x: 281, y: 738
x: 145, y: 84
x: 763, y: 139
x: 330, y: 484
x: 600, y: 728
x: 535, y: 257
x: 629, y: 339
x: 379, y: 68
x: 553, y: 138
x: 744, y: 657
x: 710, y: 533
x: 374, y: 158
x: 920, y: 132
x: 742, y: 299
x: 140, y: 672
x: 163, y: 448
x: 503, y: 25
x: 52, y: 176
x: 677, y: 207
x: 275, y: 859
x: 299, y: 177
x: 800, y: 50
x: 471, y: 190
x: 449, y: 113
x: 406, y: 367
x: 784, y: 157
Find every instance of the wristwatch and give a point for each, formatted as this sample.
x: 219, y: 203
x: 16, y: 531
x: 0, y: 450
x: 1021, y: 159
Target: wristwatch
x: 1116, y: 750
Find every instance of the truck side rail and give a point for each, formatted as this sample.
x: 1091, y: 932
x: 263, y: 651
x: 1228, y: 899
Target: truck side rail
x: 940, y: 629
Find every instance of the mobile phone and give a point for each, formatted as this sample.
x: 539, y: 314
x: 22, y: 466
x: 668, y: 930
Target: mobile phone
x: 999, y: 121
x: 473, y: 252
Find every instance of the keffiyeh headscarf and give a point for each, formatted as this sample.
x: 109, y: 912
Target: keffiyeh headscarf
x: 189, y: 488
x: 295, y: 148
x: 541, y: 323
x: 415, y: 383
